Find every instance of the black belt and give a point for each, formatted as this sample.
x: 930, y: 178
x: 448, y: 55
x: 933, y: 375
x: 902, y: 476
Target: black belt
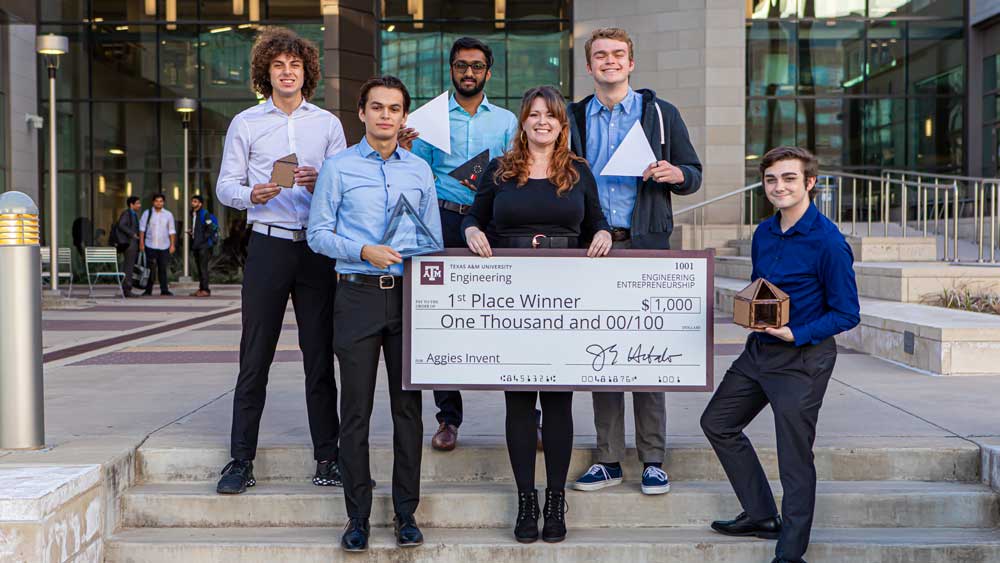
x: 382, y: 282
x: 452, y: 206
x: 619, y: 235
x: 540, y: 241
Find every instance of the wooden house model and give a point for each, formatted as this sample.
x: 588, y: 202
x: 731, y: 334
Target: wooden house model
x: 761, y: 304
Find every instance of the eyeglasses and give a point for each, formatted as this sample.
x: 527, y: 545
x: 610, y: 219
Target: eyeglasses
x: 462, y: 66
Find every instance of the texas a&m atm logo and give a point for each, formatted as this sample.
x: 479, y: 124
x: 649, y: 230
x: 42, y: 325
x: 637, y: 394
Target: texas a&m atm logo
x: 432, y: 273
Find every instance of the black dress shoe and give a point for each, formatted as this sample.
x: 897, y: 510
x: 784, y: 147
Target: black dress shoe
x: 407, y: 532
x: 355, y: 536
x: 327, y: 474
x: 237, y: 475
x: 167, y: 293
x: 768, y: 529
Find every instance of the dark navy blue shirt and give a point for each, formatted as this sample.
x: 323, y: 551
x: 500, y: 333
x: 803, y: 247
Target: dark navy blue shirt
x: 814, y: 265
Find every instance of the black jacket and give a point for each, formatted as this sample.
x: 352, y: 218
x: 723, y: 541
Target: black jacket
x: 128, y: 228
x: 652, y: 217
x: 201, y: 237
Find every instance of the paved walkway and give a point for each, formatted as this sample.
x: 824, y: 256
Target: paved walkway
x: 163, y: 370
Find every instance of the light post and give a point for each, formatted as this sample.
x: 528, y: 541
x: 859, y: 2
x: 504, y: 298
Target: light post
x: 186, y: 107
x: 22, y: 421
x: 50, y: 47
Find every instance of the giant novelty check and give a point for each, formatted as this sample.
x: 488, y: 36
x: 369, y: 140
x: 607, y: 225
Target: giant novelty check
x: 638, y: 320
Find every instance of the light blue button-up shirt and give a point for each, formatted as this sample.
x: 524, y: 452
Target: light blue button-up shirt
x: 493, y: 128
x: 606, y: 129
x: 354, y: 197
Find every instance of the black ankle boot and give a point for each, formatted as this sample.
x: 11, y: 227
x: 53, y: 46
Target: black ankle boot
x: 526, y: 527
x: 554, y: 529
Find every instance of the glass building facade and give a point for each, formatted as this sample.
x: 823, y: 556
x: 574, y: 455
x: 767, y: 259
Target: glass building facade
x: 864, y: 84
x: 530, y: 40
x: 129, y: 60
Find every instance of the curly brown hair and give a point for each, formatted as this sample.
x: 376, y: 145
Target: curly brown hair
x: 274, y: 41
x: 516, y: 163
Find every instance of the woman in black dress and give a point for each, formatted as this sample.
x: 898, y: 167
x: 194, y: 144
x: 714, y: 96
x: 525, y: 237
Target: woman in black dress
x: 539, y: 195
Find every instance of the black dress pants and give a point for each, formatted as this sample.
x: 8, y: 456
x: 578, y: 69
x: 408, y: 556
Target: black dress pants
x: 368, y: 321
x: 522, y: 436
x: 130, y: 253
x: 201, y: 256
x: 276, y: 268
x: 157, y: 261
x: 793, y: 381
x: 449, y: 403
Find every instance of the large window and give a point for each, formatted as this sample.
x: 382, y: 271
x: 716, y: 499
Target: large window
x: 118, y: 133
x: 530, y: 40
x: 864, y: 84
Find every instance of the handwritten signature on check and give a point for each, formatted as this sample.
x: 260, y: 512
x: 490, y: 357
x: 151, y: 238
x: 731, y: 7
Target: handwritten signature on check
x: 636, y: 356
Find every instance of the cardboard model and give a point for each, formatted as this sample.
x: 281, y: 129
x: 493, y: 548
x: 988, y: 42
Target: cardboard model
x: 761, y: 304
x: 283, y: 172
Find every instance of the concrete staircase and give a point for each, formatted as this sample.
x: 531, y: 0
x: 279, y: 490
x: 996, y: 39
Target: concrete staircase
x: 879, y: 501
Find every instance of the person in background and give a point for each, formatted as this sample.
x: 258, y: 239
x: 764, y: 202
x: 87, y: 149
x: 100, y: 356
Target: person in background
x: 158, y: 239
x: 204, y: 236
x: 126, y: 232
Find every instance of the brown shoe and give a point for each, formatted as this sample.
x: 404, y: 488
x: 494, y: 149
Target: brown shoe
x: 445, y: 438
x: 201, y: 293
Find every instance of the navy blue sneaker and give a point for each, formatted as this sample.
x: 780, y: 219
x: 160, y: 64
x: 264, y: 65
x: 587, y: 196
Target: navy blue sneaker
x: 598, y: 477
x: 655, y: 481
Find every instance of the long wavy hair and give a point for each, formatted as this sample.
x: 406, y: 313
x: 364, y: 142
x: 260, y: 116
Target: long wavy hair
x: 516, y: 163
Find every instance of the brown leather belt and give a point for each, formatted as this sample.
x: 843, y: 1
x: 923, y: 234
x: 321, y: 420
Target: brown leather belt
x: 381, y: 282
x: 452, y: 206
x: 619, y: 235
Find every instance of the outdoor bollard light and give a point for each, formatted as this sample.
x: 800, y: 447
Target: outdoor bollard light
x: 51, y: 47
x: 21, y: 399
x: 186, y: 107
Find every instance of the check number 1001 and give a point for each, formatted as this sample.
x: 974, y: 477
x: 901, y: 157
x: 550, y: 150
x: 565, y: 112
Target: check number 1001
x: 666, y: 305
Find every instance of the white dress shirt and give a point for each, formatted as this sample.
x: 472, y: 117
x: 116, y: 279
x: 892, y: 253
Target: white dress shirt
x: 158, y: 228
x: 261, y: 135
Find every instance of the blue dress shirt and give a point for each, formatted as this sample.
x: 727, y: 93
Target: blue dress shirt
x: 813, y: 264
x: 491, y: 128
x: 354, y: 197
x: 606, y: 129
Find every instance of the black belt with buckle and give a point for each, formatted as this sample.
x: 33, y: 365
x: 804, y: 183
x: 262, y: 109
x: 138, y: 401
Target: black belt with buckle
x: 619, y: 235
x: 452, y: 206
x: 381, y: 282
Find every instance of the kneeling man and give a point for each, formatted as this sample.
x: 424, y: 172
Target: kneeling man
x: 356, y: 192
x: 802, y: 253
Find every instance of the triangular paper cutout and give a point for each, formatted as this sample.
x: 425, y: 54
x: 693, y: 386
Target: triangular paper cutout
x: 472, y: 169
x: 432, y: 122
x: 407, y: 234
x: 632, y: 156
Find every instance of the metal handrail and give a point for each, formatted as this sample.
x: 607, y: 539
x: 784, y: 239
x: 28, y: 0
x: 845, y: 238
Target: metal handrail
x: 877, y: 191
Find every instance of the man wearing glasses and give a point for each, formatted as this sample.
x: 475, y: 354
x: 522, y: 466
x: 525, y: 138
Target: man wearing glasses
x: 476, y: 126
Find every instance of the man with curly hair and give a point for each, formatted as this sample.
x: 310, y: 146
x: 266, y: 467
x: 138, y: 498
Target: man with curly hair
x: 285, y: 72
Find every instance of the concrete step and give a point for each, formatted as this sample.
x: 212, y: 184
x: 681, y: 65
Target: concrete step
x: 726, y: 251
x: 887, y: 504
x: 497, y: 545
x: 485, y: 459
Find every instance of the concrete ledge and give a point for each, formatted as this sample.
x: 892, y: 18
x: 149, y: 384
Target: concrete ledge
x: 991, y: 466
x: 893, y: 249
x: 664, y: 545
x: 50, y: 514
x: 944, y: 341
x: 906, y: 282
